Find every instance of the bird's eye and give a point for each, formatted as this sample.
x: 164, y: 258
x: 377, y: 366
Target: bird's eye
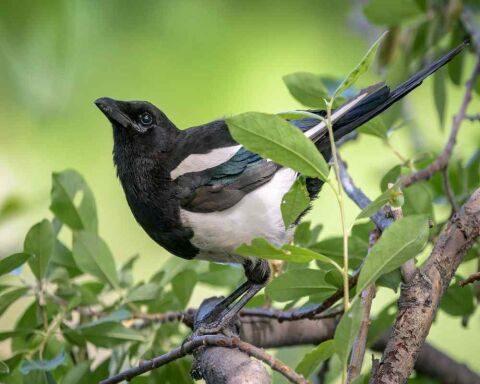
x: 146, y: 119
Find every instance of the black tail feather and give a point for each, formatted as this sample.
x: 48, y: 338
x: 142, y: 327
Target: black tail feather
x: 380, y: 100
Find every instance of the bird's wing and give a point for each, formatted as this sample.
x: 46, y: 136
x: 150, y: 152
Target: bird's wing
x: 224, y: 185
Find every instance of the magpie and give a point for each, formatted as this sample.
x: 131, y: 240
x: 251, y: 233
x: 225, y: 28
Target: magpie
x: 200, y: 195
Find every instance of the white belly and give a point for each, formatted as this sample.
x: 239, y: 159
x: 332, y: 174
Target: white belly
x: 258, y: 214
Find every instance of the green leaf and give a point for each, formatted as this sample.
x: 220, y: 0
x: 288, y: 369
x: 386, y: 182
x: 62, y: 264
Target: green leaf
x: 361, y: 67
x: 297, y: 283
x: 401, y: 241
x: 183, y: 284
x: 12, y: 262
x: 4, y: 368
x: 304, y: 236
x: 295, y: 202
x: 11, y: 296
x: 110, y: 334
x: 391, y: 12
x: 312, y: 359
x: 273, y: 138
x: 77, y: 373
x: 382, y: 322
x: 440, y: 95
x: 418, y: 200
x: 116, y: 316
x: 307, y: 88
x: 458, y: 301
x: 333, y: 249
x: 347, y: 330
x: 125, y: 275
x: 221, y: 275
x: 63, y: 257
x: 379, y: 202
x: 261, y: 248
x: 39, y: 243
x: 42, y: 365
x: 375, y: 127
x: 143, y: 292
x: 92, y: 256
x: 72, y: 201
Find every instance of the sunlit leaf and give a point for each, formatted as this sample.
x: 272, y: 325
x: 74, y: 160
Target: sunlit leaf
x: 11, y: 296
x: 39, y: 243
x: 273, y: 138
x: 401, y: 241
x: 12, y: 262
x: 347, y: 330
x: 261, y: 248
x: 307, y: 88
x: 361, y: 67
x: 312, y: 359
x: 295, y: 202
x: 72, y: 201
x: 298, y: 283
x: 93, y: 256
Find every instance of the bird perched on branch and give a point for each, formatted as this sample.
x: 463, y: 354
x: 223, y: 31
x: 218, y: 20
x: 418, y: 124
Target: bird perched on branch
x: 200, y: 195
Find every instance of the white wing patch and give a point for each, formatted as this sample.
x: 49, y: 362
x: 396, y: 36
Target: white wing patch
x: 322, y: 126
x: 201, y: 161
x: 258, y: 214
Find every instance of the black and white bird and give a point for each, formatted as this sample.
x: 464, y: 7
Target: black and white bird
x: 200, y: 195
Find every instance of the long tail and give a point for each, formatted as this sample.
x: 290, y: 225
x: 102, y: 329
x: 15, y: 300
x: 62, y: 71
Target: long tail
x: 380, y: 98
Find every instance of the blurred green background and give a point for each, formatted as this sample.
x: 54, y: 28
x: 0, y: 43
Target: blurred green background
x: 197, y: 61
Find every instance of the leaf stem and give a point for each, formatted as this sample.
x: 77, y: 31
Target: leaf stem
x: 345, y: 230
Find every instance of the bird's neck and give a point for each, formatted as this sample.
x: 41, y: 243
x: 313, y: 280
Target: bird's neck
x: 140, y: 174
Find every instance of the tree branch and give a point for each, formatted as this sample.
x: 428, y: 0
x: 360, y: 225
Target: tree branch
x: 419, y: 299
x: 360, y: 343
x: 436, y: 364
x: 441, y: 162
x: 208, y: 341
x: 470, y: 279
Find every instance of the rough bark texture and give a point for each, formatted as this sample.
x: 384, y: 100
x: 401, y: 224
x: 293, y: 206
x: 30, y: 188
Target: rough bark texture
x: 271, y: 333
x: 436, y: 364
x: 219, y: 365
x: 420, y: 298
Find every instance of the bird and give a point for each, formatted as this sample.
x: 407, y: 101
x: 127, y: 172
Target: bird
x: 200, y: 194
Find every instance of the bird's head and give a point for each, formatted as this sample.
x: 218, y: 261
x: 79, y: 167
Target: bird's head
x: 138, y: 126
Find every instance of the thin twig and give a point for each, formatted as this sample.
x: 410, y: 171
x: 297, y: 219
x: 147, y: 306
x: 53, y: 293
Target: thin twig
x: 359, y: 345
x: 442, y: 160
x: 449, y: 191
x: 470, y: 279
x: 208, y: 340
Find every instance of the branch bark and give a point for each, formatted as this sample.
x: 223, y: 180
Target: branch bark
x: 420, y: 298
x: 441, y: 162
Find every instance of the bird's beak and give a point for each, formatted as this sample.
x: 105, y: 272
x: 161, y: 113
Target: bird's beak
x: 112, y: 109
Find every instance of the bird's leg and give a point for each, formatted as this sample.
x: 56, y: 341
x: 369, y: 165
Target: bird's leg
x: 219, y: 318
